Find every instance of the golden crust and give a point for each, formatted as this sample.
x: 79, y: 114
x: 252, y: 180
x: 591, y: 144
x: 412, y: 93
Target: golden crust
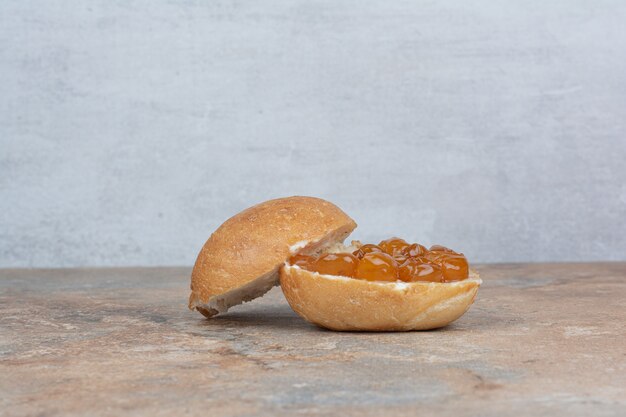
x: 341, y: 303
x: 254, y: 243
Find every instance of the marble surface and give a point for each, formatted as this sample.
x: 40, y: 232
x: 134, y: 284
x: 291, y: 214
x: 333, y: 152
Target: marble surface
x: 542, y: 340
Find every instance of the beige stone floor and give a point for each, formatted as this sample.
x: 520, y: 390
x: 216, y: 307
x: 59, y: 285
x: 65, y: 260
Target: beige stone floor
x: 542, y: 340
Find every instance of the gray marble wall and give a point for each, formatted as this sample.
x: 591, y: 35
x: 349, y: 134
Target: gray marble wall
x: 129, y: 130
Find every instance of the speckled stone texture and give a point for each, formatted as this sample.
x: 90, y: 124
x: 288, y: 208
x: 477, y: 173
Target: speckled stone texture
x: 541, y: 340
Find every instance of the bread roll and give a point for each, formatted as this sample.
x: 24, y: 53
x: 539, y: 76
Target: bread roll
x: 342, y: 303
x: 242, y: 258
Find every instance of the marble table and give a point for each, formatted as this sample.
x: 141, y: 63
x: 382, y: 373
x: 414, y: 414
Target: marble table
x: 541, y: 340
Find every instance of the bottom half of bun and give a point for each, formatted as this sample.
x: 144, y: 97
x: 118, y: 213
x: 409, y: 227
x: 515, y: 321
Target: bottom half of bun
x: 341, y: 303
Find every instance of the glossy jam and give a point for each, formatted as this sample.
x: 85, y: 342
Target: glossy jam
x: 377, y: 266
x: 439, y: 248
x: 419, y: 269
x: 303, y: 261
x: 367, y: 248
x: 391, y: 260
x: 453, y: 265
x: 393, y: 246
x: 415, y: 250
x: 343, y: 264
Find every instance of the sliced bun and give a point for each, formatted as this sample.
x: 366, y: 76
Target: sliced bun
x: 242, y: 258
x: 341, y: 303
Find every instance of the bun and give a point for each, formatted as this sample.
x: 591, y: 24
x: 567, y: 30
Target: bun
x: 242, y: 258
x: 341, y: 303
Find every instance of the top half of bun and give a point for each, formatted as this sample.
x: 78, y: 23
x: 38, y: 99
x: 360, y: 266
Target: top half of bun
x: 253, y: 244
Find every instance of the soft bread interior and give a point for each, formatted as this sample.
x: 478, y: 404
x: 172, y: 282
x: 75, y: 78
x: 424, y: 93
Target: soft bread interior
x: 342, y: 248
x: 221, y: 303
x: 262, y: 284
